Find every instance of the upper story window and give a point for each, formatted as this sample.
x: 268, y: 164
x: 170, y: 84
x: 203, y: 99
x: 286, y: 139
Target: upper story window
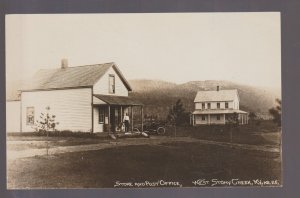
x: 203, y: 105
x: 30, y: 115
x: 112, y: 85
x: 218, y: 117
x: 226, y: 105
x: 218, y: 105
x: 208, y: 105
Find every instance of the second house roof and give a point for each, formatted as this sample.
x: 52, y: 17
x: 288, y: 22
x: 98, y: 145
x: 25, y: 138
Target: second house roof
x: 221, y: 95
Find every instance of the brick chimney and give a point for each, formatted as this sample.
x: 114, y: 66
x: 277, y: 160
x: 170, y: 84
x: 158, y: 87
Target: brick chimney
x: 218, y: 88
x: 64, y: 63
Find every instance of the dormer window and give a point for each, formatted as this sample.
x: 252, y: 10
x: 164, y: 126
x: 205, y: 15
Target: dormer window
x: 208, y: 105
x: 226, y: 105
x: 112, y: 86
x: 203, y: 105
x: 218, y: 105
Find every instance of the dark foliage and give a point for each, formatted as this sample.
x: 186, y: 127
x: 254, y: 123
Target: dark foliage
x: 178, y: 115
x: 252, y: 116
x: 232, y: 119
x: 276, y: 112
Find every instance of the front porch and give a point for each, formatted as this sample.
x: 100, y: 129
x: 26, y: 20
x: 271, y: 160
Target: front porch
x: 221, y: 117
x: 109, y: 111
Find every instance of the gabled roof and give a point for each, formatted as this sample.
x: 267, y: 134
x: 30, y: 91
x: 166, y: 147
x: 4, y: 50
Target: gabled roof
x: 71, y: 77
x: 221, y: 95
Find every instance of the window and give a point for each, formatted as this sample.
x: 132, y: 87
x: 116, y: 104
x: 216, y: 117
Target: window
x: 112, y: 84
x: 203, y: 105
x: 218, y: 105
x: 218, y: 117
x: 30, y: 115
x: 208, y: 105
x: 101, y: 114
x: 226, y: 105
x: 203, y: 117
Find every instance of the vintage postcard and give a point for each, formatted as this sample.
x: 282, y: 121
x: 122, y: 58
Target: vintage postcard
x: 146, y: 100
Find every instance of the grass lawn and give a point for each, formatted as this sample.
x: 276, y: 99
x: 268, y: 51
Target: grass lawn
x: 17, y: 143
x: 179, y: 161
x: 23, y: 141
x: 266, y: 133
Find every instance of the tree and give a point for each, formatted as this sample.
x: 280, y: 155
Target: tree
x: 177, y: 114
x: 252, y: 116
x: 46, y: 123
x: 276, y: 112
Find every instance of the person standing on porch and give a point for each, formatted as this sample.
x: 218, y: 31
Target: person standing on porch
x: 126, y: 122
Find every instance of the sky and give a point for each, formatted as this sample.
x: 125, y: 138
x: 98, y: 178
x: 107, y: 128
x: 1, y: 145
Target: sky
x: 175, y: 47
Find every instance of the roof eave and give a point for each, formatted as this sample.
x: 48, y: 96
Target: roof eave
x: 126, y: 83
x: 60, y: 88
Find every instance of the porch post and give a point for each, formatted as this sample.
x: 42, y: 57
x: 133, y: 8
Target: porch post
x: 121, y: 118
x: 241, y: 116
x: 242, y: 119
x: 142, y: 112
x: 224, y: 119
x: 209, y: 119
x: 131, y: 118
x: 121, y: 113
x: 108, y: 118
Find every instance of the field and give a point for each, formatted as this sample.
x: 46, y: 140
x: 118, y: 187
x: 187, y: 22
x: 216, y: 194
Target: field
x: 185, y: 160
x: 258, y: 133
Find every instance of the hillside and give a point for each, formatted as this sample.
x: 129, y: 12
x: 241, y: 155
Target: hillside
x: 158, y: 96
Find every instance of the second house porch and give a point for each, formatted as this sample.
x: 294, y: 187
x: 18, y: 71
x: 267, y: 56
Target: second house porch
x: 212, y: 117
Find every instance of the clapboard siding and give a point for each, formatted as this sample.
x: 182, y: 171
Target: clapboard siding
x: 101, y: 87
x: 13, y: 123
x: 72, y: 108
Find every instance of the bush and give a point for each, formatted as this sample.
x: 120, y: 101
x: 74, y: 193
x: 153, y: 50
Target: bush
x: 46, y: 122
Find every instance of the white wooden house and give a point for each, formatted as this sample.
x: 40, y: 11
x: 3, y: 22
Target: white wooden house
x: 217, y: 107
x: 91, y: 98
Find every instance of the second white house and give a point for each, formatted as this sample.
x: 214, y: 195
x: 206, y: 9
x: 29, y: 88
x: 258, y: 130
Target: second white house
x: 218, y: 107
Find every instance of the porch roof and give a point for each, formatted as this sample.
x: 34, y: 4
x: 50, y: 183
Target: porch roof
x: 118, y: 100
x: 219, y: 111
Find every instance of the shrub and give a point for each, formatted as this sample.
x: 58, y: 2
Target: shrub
x: 46, y: 123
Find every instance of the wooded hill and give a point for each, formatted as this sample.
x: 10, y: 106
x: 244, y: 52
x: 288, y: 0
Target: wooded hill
x: 158, y: 96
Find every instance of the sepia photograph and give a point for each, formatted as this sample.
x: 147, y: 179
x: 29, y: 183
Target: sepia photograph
x: 143, y: 100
